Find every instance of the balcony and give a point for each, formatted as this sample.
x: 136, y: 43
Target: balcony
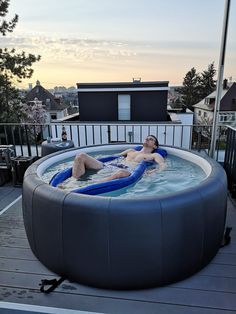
x: 212, y: 290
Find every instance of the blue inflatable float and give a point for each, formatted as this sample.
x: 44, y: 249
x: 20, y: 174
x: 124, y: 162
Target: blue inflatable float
x: 108, y: 186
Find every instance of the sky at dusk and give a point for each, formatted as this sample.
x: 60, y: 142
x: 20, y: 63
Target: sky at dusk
x: 115, y: 41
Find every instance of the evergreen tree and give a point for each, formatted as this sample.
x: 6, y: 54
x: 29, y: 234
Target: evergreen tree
x: 207, y: 82
x: 190, y: 89
x: 197, y: 86
x: 13, y: 66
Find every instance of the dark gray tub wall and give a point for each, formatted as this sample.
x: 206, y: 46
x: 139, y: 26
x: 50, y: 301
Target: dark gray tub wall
x: 43, y: 222
x: 214, y: 195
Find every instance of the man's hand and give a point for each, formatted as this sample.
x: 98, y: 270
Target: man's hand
x: 160, y: 161
x: 151, y: 171
x: 157, y: 169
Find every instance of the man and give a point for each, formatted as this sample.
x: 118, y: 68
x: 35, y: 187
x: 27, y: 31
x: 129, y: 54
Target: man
x: 132, y: 158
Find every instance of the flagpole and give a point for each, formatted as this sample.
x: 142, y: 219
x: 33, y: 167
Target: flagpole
x: 219, y: 79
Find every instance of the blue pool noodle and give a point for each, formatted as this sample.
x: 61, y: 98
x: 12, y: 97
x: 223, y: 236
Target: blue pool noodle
x: 108, y: 186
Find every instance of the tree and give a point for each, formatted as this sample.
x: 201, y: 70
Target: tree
x: 4, y: 25
x: 190, y: 89
x: 207, y: 83
x: 10, y: 102
x: 197, y: 86
x: 35, y: 114
x: 13, y: 66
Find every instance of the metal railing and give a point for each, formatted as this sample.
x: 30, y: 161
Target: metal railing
x: 27, y: 138
x: 230, y: 160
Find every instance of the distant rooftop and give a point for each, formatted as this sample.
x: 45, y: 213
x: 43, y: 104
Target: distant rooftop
x: 42, y: 94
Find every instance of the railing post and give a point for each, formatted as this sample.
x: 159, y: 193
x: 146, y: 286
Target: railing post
x: 6, y: 135
x: 199, y: 140
x: 27, y: 141
x: 109, y: 133
x: 130, y: 135
x: 230, y: 160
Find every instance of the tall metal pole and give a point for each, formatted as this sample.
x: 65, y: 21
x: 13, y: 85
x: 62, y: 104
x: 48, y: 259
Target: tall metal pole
x: 219, y: 79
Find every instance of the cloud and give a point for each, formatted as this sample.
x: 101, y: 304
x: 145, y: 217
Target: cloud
x: 82, y: 59
x: 58, y: 49
x: 80, y: 50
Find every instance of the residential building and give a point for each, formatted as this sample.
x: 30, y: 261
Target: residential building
x: 54, y: 107
x: 204, y: 110
x: 124, y: 101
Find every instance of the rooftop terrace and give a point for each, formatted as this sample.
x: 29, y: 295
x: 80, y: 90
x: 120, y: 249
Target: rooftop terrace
x: 212, y: 290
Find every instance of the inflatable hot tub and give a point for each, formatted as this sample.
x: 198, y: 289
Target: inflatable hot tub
x: 120, y: 243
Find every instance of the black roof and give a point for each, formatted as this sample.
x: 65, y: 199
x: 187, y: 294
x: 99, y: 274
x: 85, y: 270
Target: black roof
x: 136, y: 84
x: 46, y: 97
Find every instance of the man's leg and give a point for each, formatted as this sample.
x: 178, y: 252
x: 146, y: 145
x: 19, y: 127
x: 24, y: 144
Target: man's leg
x: 117, y: 175
x: 83, y: 162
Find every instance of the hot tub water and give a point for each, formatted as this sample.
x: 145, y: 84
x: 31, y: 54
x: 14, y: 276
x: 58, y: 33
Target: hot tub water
x: 178, y: 175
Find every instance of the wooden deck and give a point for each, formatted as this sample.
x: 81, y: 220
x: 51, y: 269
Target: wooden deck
x: 211, y: 291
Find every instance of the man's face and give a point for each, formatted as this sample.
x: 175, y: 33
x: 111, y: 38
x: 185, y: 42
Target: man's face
x: 150, y: 142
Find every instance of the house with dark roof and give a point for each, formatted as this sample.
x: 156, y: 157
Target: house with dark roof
x: 204, y: 110
x: 53, y: 106
x: 124, y: 101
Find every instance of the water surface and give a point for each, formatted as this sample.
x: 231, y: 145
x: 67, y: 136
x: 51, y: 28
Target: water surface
x: 179, y: 174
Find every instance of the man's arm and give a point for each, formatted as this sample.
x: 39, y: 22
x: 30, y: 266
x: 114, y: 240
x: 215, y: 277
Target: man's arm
x: 160, y: 161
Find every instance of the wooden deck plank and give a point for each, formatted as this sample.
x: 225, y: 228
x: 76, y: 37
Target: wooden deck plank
x: 14, y: 242
x: 230, y: 248
x: 17, y: 253
x: 6, y: 217
x: 5, y: 191
x: 101, y: 304
x: 7, y: 196
x: 210, y: 283
x: 8, y: 225
x: 11, y: 219
x: 225, y: 258
x: 219, y: 270
x: 24, y: 266
x: 19, y: 233
x: 31, y: 281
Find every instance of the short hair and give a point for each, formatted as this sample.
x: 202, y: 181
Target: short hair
x: 156, y: 140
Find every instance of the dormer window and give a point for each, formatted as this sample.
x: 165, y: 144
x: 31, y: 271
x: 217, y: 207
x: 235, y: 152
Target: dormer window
x: 48, y: 103
x: 207, y: 101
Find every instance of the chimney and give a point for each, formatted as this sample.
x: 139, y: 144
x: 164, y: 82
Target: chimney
x: 225, y: 84
x: 136, y: 79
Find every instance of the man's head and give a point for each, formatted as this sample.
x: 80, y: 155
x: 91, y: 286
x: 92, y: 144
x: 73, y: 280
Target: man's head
x: 151, y: 142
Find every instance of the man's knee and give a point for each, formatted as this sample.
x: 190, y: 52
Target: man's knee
x: 81, y: 157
